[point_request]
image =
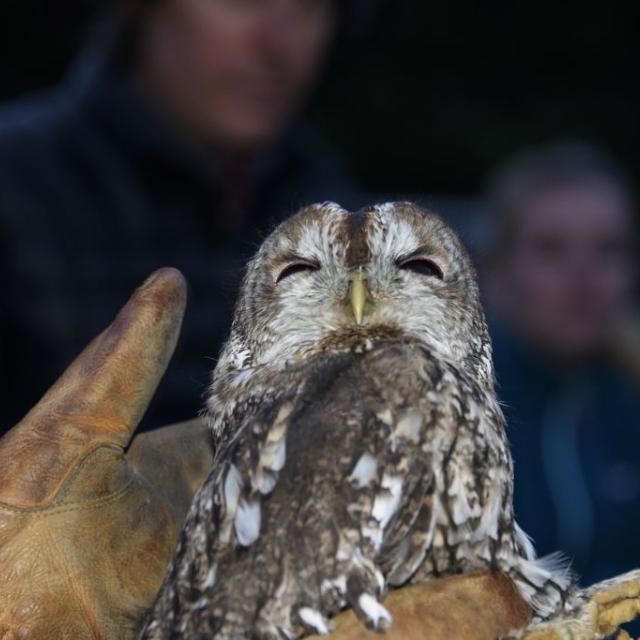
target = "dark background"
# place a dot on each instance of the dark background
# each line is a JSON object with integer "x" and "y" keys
{"x": 436, "y": 94}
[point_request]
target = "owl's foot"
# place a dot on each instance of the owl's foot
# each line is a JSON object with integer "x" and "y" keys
{"x": 364, "y": 589}
{"x": 348, "y": 580}
{"x": 359, "y": 585}
{"x": 372, "y": 613}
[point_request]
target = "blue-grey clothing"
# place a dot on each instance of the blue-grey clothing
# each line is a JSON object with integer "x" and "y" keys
{"x": 95, "y": 193}
{"x": 576, "y": 445}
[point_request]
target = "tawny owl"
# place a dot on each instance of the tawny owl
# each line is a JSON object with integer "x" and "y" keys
{"x": 360, "y": 444}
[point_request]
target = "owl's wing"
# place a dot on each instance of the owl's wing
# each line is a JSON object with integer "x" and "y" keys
{"x": 326, "y": 488}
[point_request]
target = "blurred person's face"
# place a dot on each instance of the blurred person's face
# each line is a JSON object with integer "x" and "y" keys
{"x": 231, "y": 72}
{"x": 570, "y": 271}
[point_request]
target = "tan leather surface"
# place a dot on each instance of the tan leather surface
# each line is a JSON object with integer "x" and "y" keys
{"x": 99, "y": 399}
{"x": 86, "y": 531}
{"x": 480, "y": 607}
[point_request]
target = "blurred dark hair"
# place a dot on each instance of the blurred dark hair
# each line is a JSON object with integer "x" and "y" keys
{"x": 547, "y": 167}
{"x": 354, "y": 18}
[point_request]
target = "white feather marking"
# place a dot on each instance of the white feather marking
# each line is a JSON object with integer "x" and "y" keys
{"x": 409, "y": 426}
{"x": 461, "y": 512}
{"x": 240, "y": 378}
{"x": 386, "y": 504}
{"x": 276, "y": 432}
{"x": 526, "y": 590}
{"x": 535, "y": 573}
{"x": 526, "y": 542}
{"x": 284, "y": 413}
{"x": 491, "y": 515}
{"x": 238, "y": 356}
{"x": 210, "y": 580}
{"x": 338, "y": 585}
{"x": 345, "y": 550}
{"x": 558, "y": 566}
{"x": 544, "y": 600}
{"x": 438, "y": 539}
{"x": 247, "y": 522}
{"x": 232, "y": 486}
{"x": 377, "y": 614}
{"x": 266, "y": 481}
{"x": 364, "y": 471}
{"x": 374, "y": 534}
{"x": 315, "y": 620}
{"x": 379, "y": 578}
{"x": 279, "y": 456}
{"x": 273, "y": 455}
{"x": 202, "y": 603}
{"x": 483, "y": 550}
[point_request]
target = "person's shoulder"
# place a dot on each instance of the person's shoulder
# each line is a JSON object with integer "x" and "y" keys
{"x": 620, "y": 392}
{"x": 29, "y": 121}
{"x": 31, "y": 133}
{"x": 34, "y": 131}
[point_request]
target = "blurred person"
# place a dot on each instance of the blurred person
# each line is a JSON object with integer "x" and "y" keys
{"x": 560, "y": 278}
{"x": 174, "y": 140}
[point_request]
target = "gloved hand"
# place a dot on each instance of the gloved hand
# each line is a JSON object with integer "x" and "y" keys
{"x": 86, "y": 530}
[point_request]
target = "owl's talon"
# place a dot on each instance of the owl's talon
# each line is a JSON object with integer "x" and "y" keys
{"x": 314, "y": 621}
{"x": 372, "y": 613}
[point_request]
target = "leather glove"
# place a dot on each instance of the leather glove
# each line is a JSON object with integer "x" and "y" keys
{"x": 87, "y": 527}
{"x": 484, "y": 607}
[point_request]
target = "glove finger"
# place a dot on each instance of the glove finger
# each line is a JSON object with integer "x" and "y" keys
{"x": 478, "y": 607}
{"x": 99, "y": 399}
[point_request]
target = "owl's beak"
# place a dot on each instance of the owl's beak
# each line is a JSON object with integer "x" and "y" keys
{"x": 358, "y": 295}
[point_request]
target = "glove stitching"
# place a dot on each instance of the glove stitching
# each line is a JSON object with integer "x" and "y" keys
{"x": 45, "y": 512}
{"x": 55, "y": 507}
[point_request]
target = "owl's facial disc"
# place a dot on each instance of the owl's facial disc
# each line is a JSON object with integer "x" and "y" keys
{"x": 388, "y": 269}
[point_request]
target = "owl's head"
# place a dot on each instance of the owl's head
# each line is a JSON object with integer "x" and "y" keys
{"x": 325, "y": 272}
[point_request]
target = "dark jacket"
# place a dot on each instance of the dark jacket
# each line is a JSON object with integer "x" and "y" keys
{"x": 96, "y": 193}
{"x": 575, "y": 440}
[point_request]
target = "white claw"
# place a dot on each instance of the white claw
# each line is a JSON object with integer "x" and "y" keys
{"x": 379, "y": 617}
{"x": 315, "y": 620}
